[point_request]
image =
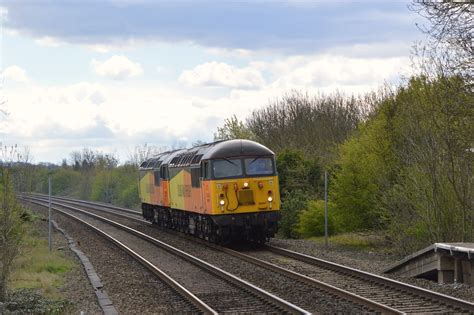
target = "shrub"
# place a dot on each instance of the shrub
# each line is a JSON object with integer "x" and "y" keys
{"x": 311, "y": 220}
{"x": 291, "y": 206}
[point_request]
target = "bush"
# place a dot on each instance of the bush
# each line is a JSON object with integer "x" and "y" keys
{"x": 311, "y": 220}
{"x": 291, "y": 207}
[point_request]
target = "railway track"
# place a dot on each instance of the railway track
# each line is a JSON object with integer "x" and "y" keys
{"x": 209, "y": 289}
{"x": 394, "y": 296}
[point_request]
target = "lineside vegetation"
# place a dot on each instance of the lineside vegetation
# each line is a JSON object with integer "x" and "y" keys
{"x": 400, "y": 159}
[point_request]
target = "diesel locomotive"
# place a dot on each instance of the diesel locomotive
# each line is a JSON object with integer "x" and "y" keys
{"x": 223, "y": 191}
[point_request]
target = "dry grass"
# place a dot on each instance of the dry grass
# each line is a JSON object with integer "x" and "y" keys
{"x": 364, "y": 241}
{"x": 37, "y": 268}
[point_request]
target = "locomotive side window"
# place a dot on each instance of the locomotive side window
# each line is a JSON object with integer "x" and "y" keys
{"x": 227, "y": 168}
{"x": 259, "y": 166}
{"x": 195, "y": 172}
{"x": 164, "y": 172}
{"x": 157, "y": 177}
{"x": 205, "y": 170}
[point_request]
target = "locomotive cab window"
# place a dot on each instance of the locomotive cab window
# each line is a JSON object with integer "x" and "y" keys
{"x": 259, "y": 166}
{"x": 227, "y": 168}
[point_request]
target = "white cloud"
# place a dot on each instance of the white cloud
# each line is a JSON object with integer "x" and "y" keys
{"x": 219, "y": 74}
{"x": 3, "y": 14}
{"x": 227, "y": 52}
{"x": 102, "y": 49}
{"x": 48, "y": 41}
{"x": 54, "y": 120}
{"x": 331, "y": 72}
{"x": 117, "y": 68}
{"x": 15, "y": 73}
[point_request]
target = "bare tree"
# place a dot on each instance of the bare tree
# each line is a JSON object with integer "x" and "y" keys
{"x": 310, "y": 124}
{"x": 451, "y": 30}
{"x": 23, "y": 170}
{"x": 76, "y": 160}
{"x": 106, "y": 160}
{"x": 143, "y": 152}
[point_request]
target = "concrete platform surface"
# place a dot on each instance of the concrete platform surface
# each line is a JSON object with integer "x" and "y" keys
{"x": 442, "y": 262}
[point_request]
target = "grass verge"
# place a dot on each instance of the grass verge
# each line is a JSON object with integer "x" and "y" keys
{"x": 38, "y": 274}
{"x": 358, "y": 241}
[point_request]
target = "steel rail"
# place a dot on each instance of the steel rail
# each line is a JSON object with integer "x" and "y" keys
{"x": 194, "y": 300}
{"x": 103, "y": 204}
{"x": 354, "y": 298}
{"x": 439, "y": 297}
{"x": 98, "y": 207}
{"x": 282, "y": 304}
{"x": 417, "y": 291}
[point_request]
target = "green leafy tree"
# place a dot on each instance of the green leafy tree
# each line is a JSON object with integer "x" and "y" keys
{"x": 297, "y": 172}
{"x": 363, "y": 173}
{"x": 433, "y": 196}
{"x": 409, "y": 168}
{"x": 233, "y": 129}
{"x": 300, "y": 180}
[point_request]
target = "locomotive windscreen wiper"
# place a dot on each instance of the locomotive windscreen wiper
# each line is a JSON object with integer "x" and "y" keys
{"x": 253, "y": 160}
{"x": 230, "y": 161}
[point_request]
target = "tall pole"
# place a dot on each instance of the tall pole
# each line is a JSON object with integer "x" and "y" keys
{"x": 326, "y": 208}
{"x": 49, "y": 213}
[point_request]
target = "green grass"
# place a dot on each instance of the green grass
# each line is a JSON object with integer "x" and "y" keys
{"x": 359, "y": 241}
{"x": 37, "y": 268}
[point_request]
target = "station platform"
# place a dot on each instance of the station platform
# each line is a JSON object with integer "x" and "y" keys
{"x": 441, "y": 262}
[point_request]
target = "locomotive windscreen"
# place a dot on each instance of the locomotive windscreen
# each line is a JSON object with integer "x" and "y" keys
{"x": 227, "y": 168}
{"x": 259, "y": 166}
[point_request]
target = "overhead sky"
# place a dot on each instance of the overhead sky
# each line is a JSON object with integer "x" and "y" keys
{"x": 110, "y": 75}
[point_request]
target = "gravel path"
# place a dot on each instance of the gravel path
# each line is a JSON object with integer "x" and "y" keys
{"x": 131, "y": 287}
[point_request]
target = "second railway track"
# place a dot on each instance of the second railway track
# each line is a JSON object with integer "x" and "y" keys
{"x": 381, "y": 292}
{"x": 210, "y": 289}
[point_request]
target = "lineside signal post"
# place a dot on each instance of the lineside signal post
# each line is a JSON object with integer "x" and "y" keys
{"x": 326, "y": 208}
{"x": 49, "y": 213}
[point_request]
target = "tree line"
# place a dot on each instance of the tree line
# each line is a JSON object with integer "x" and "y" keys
{"x": 400, "y": 158}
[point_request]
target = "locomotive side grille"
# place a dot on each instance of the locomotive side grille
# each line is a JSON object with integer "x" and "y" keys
{"x": 246, "y": 197}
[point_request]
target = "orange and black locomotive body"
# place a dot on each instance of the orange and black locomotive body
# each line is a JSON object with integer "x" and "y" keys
{"x": 222, "y": 191}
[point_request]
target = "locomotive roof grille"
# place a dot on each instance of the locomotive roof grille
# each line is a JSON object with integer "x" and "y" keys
{"x": 209, "y": 151}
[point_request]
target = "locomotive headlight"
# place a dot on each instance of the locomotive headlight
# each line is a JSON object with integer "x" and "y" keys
{"x": 246, "y": 184}
{"x": 222, "y": 202}
{"x": 270, "y": 199}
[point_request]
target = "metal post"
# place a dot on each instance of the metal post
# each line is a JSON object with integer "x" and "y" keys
{"x": 326, "y": 208}
{"x": 49, "y": 213}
